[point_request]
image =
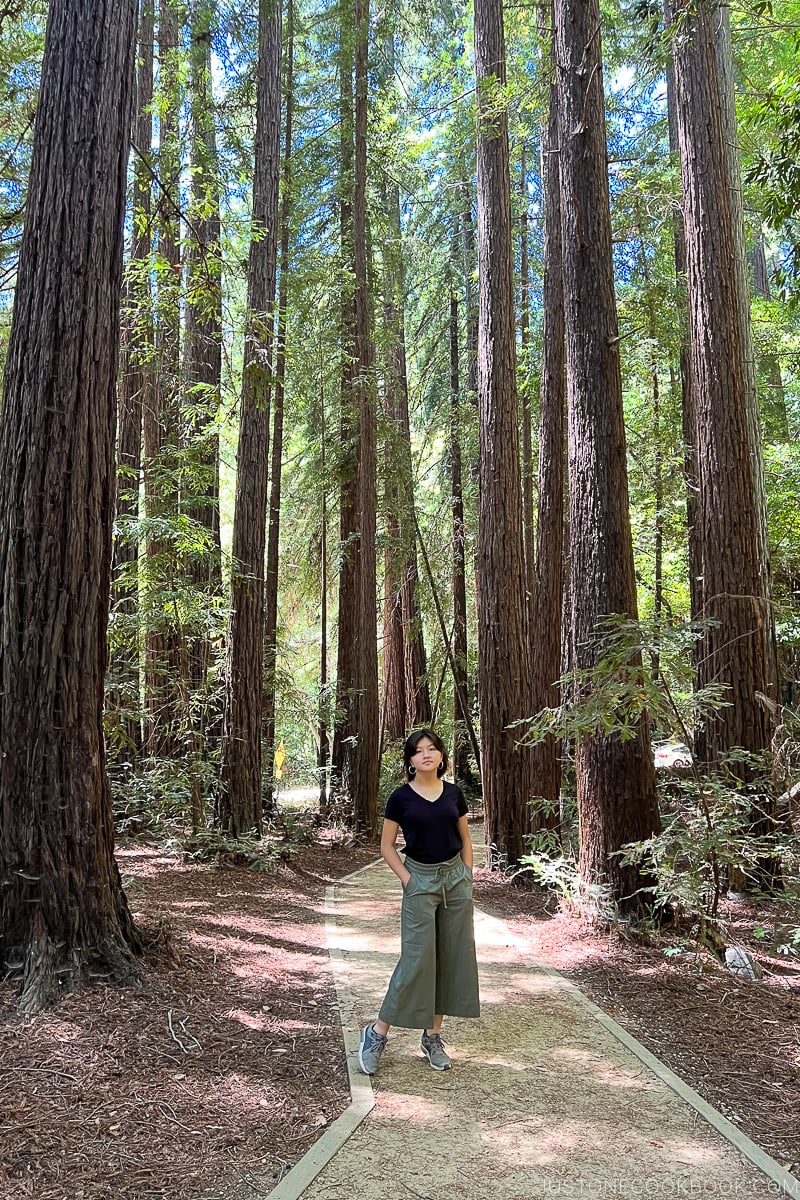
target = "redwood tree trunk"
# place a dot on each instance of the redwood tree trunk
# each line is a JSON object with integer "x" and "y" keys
{"x": 240, "y": 802}
{"x": 276, "y": 471}
{"x": 349, "y": 559}
{"x": 135, "y": 381}
{"x": 462, "y": 772}
{"x": 63, "y": 914}
{"x": 546, "y": 634}
{"x": 504, "y": 653}
{"x": 160, "y": 417}
{"x": 528, "y": 529}
{"x": 356, "y": 750}
{"x": 737, "y": 651}
{"x": 615, "y": 778}
{"x": 363, "y": 753}
{"x": 203, "y": 327}
{"x": 691, "y": 469}
{"x": 401, "y": 600}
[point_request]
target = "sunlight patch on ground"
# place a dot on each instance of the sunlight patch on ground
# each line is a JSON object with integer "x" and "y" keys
{"x": 406, "y": 1107}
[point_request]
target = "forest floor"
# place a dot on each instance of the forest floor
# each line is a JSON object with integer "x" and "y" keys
{"x": 218, "y": 1073}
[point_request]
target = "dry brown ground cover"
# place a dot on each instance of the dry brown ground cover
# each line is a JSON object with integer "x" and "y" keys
{"x": 220, "y": 1071}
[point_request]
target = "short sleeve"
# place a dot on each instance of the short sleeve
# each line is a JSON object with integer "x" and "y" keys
{"x": 461, "y": 803}
{"x": 394, "y": 807}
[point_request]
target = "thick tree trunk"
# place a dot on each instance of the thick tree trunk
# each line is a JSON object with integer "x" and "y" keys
{"x": 615, "y": 778}
{"x": 546, "y": 632}
{"x": 273, "y": 539}
{"x": 356, "y": 749}
{"x": 504, "y": 658}
{"x": 63, "y": 914}
{"x": 240, "y": 802}
{"x": 738, "y": 650}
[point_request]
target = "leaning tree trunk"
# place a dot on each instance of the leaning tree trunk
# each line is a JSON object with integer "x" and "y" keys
{"x": 504, "y": 654}
{"x": 615, "y": 777}
{"x": 63, "y": 914}
{"x": 240, "y": 802}
{"x": 738, "y": 651}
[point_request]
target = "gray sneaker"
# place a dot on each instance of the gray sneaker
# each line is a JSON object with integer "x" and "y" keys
{"x": 434, "y": 1051}
{"x": 371, "y": 1047}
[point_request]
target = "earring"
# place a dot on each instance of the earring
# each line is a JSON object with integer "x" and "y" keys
{"x": 411, "y": 771}
{"x": 440, "y": 770}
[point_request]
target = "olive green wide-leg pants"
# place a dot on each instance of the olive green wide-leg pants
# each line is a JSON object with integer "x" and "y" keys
{"x": 438, "y": 970}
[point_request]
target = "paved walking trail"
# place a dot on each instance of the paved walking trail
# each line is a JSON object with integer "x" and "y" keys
{"x": 547, "y": 1096}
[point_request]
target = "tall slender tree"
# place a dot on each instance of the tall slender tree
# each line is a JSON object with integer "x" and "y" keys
{"x": 63, "y": 913}
{"x": 276, "y": 470}
{"x": 528, "y": 527}
{"x": 240, "y": 802}
{"x": 615, "y": 777}
{"x": 689, "y": 424}
{"x": 160, "y": 415}
{"x": 461, "y": 694}
{"x": 549, "y": 586}
{"x": 135, "y": 381}
{"x": 405, "y": 665}
{"x": 503, "y": 630}
{"x": 203, "y": 325}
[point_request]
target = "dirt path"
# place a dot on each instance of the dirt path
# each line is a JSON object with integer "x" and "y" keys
{"x": 543, "y": 1099}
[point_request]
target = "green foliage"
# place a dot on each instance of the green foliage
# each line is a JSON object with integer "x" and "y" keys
{"x": 775, "y": 170}
{"x": 285, "y": 834}
{"x": 707, "y": 836}
{"x": 622, "y": 687}
{"x": 153, "y": 798}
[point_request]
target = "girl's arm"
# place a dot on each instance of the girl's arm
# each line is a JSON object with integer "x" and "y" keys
{"x": 466, "y": 841}
{"x": 389, "y": 852}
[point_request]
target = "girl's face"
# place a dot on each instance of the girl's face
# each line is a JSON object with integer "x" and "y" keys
{"x": 426, "y": 757}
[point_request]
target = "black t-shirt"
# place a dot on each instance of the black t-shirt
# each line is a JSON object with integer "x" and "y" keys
{"x": 430, "y": 827}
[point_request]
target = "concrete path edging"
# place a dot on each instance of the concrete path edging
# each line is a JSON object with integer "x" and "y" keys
{"x": 299, "y": 1178}
{"x": 788, "y": 1184}
{"x": 304, "y": 1172}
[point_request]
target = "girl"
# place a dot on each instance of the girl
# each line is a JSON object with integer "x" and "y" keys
{"x": 437, "y": 974}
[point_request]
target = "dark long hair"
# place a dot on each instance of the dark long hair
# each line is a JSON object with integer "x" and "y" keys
{"x": 410, "y": 748}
